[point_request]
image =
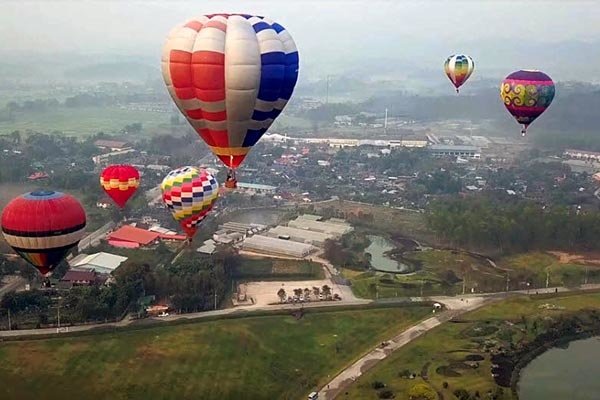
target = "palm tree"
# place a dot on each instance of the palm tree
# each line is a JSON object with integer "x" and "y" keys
{"x": 306, "y": 292}
{"x": 282, "y": 295}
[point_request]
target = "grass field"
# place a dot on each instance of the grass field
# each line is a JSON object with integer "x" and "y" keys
{"x": 275, "y": 357}
{"x": 444, "y": 349}
{"x": 442, "y": 272}
{"x": 277, "y": 269}
{"x": 86, "y": 120}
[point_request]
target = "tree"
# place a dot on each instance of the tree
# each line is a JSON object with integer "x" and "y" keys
{"x": 326, "y": 291}
{"x": 282, "y": 295}
{"x": 316, "y": 291}
{"x": 422, "y": 391}
{"x": 306, "y": 292}
{"x": 297, "y": 292}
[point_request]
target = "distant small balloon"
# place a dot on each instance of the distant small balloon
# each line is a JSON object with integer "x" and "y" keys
{"x": 458, "y": 69}
{"x": 526, "y": 95}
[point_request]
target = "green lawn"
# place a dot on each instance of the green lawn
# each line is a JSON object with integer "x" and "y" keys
{"x": 449, "y": 344}
{"x": 275, "y": 357}
{"x": 442, "y": 272}
{"x": 536, "y": 265}
{"x": 277, "y": 269}
{"x": 86, "y": 120}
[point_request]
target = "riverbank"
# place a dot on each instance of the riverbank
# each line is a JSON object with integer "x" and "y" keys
{"x": 547, "y": 341}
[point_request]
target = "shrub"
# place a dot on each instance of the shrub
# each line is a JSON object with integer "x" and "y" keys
{"x": 386, "y": 394}
{"x": 377, "y": 385}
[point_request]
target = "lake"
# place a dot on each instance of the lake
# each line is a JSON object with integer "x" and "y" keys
{"x": 379, "y": 260}
{"x": 570, "y": 373}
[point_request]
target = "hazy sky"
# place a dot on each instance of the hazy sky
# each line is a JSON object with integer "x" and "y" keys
{"x": 333, "y": 29}
{"x": 114, "y": 24}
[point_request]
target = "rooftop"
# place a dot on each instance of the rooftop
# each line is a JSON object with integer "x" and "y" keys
{"x": 255, "y": 186}
{"x": 79, "y": 276}
{"x": 130, "y": 233}
{"x": 116, "y": 144}
{"x": 452, "y": 147}
{"x": 102, "y": 260}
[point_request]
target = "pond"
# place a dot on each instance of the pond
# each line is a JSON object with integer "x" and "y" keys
{"x": 379, "y": 260}
{"x": 564, "y": 373}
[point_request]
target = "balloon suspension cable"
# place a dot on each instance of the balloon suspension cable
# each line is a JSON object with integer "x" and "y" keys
{"x": 457, "y": 91}
{"x": 524, "y": 130}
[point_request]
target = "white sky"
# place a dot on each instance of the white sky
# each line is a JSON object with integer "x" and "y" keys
{"x": 322, "y": 25}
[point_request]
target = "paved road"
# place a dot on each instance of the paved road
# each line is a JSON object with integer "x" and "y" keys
{"x": 13, "y": 284}
{"x": 238, "y": 311}
{"x": 467, "y": 303}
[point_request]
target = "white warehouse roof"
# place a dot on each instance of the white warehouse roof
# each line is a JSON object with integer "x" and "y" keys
{"x": 103, "y": 263}
{"x": 269, "y": 245}
{"x": 301, "y": 235}
{"x": 318, "y": 226}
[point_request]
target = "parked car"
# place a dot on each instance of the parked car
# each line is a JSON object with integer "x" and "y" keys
{"x": 320, "y": 297}
{"x": 313, "y": 396}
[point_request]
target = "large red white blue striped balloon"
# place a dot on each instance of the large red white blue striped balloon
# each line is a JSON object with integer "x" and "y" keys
{"x": 230, "y": 75}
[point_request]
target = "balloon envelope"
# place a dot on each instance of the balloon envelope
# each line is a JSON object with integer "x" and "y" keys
{"x": 120, "y": 182}
{"x": 459, "y": 68}
{"x": 526, "y": 95}
{"x": 42, "y": 226}
{"x": 230, "y": 75}
{"x": 190, "y": 194}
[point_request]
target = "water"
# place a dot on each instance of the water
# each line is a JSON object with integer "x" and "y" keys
{"x": 379, "y": 260}
{"x": 570, "y": 373}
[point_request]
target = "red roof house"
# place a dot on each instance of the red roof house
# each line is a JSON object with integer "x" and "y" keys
{"x": 133, "y": 235}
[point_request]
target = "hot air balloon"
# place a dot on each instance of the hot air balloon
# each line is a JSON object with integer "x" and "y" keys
{"x": 42, "y": 226}
{"x": 458, "y": 69}
{"x": 230, "y": 75}
{"x": 190, "y": 194}
{"x": 526, "y": 95}
{"x": 120, "y": 182}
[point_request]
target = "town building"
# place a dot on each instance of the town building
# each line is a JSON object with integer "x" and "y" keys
{"x": 444, "y": 150}
{"x": 112, "y": 145}
{"x": 131, "y": 237}
{"x": 102, "y": 263}
{"x": 256, "y": 188}
{"x": 78, "y": 278}
{"x": 274, "y": 246}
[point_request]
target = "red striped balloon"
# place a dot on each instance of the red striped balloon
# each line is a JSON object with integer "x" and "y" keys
{"x": 120, "y": 182}
{"x": 42, "y": 226}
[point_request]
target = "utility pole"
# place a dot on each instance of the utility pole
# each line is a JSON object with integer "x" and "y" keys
{"x": 547, "y": 278}
{"x": 421, "y": 288}
{"x": 586, "y": 275}
{"x": 215, "y": 299}
{"x": 58, "y": 313}
{"x": 507, "y": 281}
{"x": 385, "y": 121}
{"x": 464, "y": 283}
{"x": 9, "y": 326}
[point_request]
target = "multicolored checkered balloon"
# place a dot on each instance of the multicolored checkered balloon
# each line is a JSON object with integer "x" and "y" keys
{"x": 190, "y": 194}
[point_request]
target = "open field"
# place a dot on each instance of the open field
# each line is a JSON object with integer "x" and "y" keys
{"x": 386, "y": 220}
{"x": 85, "y": 121}
{"x": 442, "y": 353}
{"x": 276, "y": 357}
{"x": 276, "y": 269}
{"x": 442, "y": 272}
